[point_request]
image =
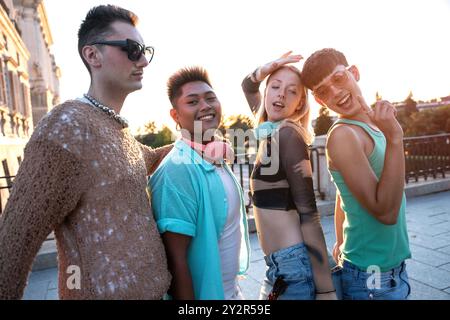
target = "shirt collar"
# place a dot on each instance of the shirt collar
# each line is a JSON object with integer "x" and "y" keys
{"x": 193, "y": 156}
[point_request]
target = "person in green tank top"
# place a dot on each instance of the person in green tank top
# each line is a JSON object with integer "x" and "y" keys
{"x": 365, "y": 158}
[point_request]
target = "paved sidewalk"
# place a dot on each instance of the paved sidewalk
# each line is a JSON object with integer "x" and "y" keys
{"x": 428, "y": 220}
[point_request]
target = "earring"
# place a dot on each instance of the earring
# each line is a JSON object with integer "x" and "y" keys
{"x": 178, "y": 127}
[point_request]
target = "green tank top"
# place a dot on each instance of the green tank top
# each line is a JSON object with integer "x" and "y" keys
{"x": 368, "y": 242}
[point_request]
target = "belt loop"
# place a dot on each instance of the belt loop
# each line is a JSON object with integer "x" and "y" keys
{"x": 268, "y": 260}
{"x": 356, "y": 272}
{"x": 272, "y": 259}
{"x": 351, "y": 267}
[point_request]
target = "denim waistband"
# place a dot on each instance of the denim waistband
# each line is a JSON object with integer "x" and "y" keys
{"x": 394, "y": 271}
{"x": 296, "y": 249}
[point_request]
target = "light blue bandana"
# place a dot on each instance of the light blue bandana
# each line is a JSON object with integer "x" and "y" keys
{"x": 266, "y": 129}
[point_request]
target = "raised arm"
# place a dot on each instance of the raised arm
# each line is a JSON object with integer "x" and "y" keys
{"x": 295, "y": 161}
{"x": 251, "y": 91}
{"x": 47, "y": 188}
{"x": 251, "y": 83}
{"x": 383, "y": 197}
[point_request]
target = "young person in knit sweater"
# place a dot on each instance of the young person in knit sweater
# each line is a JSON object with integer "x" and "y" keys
{"x": 196, "y": 199}
{"x": 84, "y": 176}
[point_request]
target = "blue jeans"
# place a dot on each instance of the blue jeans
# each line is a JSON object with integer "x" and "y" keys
{"x": 360, "y": 285}
{"x": 293, "y": 266}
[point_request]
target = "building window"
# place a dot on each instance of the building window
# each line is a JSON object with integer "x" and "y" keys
{"x": 20, "y": 95}
{"x": 16, "y": 96}
{"x": 2, "y": 85}
{"x": 12, "y": 97}
{"x": 6, "y": 171}
{"x": 26, "y": 100}
{"x": 8, "y": 96}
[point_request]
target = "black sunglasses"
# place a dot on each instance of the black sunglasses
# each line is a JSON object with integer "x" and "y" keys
{"x": 133, "y": 48}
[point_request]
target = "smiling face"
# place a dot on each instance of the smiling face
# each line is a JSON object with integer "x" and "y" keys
{"x": 339, "y": 91}
{"x": 283, "y": 95}
{"x": 197, "y": 103}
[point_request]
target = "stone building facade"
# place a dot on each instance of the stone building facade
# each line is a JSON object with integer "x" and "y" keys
{"x": 29, "y": 80}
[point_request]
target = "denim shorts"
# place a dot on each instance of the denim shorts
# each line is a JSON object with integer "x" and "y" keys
{"x": 292, "y": 264}
{"x": 358, "y": 284}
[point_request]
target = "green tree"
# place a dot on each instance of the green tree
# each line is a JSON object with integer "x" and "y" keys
{"x": 426, "y": 122}
{"x": 403, "y": 119}
{"x": 378, "y": 96}
{"x": 323, "y": 122}
{"x": 150, "y": 127}
{"x": 236, "y": 122}
{"x": 163, "y": 137}
{"x": 239, "y": 121}
{"x": 155, "y": 139}
{"x": 410, "y": 104}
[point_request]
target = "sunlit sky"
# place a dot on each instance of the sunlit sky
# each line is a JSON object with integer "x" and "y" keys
{"x": 398, "y": 45}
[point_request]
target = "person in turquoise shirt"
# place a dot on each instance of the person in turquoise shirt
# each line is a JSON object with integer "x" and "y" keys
{"x": 197, "y": 202}
{"x": 366, "y": 161}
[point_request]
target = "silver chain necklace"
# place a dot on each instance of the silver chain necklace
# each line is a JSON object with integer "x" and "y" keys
{"x": 109, "y": 111}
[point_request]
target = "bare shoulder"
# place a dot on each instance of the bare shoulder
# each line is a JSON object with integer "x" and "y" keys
{"x": 341, "y": 135}
{"x": 343, "y": 142}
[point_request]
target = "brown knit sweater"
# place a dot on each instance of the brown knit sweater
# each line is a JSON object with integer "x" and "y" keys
{"x": 84, "y": 177}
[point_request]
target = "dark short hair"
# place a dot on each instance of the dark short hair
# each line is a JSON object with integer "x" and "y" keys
{"x": 320, "y": 64}
{"x": 183, "y": 76}
{"x": 97, "y": 25}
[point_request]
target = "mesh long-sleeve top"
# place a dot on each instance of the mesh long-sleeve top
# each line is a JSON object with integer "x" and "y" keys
{"x": 282, "y": 181}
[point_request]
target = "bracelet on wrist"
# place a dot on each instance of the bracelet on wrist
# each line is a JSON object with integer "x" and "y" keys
{"x": 325, "y": 292}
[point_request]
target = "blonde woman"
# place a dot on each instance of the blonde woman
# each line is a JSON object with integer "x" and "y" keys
{"x": 288, "y": 224}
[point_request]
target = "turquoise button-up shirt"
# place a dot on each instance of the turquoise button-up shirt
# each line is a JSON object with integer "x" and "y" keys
{"x": 188, "y": 197}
